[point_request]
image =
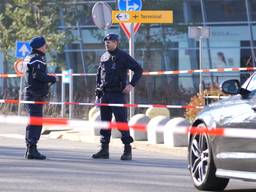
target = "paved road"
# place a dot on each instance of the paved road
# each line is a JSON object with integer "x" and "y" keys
{"x": 70, "y": 168}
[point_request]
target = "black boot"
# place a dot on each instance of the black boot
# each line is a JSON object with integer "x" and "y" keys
{"x": 32, "y": 153}
{"x": 103, "y": 153}
{"x": 127, "y": 155}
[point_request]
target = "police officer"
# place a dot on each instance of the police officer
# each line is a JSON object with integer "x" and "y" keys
{"x": 112, "y": 86}
{"x": 37, "y": 85}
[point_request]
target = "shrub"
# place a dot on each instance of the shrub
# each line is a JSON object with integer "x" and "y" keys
{"x": 199, "y": 100}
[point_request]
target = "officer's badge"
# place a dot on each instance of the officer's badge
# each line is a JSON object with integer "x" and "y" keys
{"x": 108, "y": 37}
{"x": 105, "y": 57}
{"x": 44, "y": 60}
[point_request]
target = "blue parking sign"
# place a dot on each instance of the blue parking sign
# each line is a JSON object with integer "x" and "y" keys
{"x": 22, "y": 49}
{"x": 129, "y": 5}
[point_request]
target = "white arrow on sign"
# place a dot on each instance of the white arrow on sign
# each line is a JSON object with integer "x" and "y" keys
{"x": 133, "y": 7}
{"x": 24, "y": 50}
{"x": 123, "y": 16}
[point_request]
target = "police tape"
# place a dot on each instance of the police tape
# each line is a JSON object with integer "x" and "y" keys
{"x": 13, "y": 101}
{"x": 175, "y": 72}
{"x": 219, "y": 70}
{"x": 81, "y": 125}
{"x": 2, "y": 75}
{"x": 224, "y": 132}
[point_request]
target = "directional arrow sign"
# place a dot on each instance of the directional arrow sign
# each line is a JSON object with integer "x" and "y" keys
{"x": 142, "y": 16}
{"x": 132, "y": 5}
{"x": 22, "y": 49}
{"x": 129, "y": 5}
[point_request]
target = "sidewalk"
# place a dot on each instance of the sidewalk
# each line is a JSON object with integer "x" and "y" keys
{"x": 79, "y": 132}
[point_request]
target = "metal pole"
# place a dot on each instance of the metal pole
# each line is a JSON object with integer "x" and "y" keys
{"x": 70, "y": 93}
{"x": 62, "y": 95}
{"x": 131, "y": 52}
{"x": 81, "y": 50}
{"x": 20, "y": 95}
{"x": 248, "y": 13}
{"x": 204, "y": 17}
{"x": 127, "y": 5}
{"x": 200, "y": 65}
{"x": 62, "y": 24}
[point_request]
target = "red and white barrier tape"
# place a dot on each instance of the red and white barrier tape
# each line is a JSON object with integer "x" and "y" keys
{"x": 82, "y": 125}
{"x": 225, "y": 132}
{"x": 12, "y": 101}
{"x": 175, "y": 72}
{"x": 2, "y": 75}
{"x": 219, "y": 70}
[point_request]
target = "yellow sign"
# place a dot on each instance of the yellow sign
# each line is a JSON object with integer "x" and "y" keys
{"x": 142, "y": 17}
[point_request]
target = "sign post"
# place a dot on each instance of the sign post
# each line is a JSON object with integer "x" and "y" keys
{"x": 22, "y": 50}
{"x": 199, "y": 33}
{"x": 131, "y": 52}
{"x": 67, "y": 78}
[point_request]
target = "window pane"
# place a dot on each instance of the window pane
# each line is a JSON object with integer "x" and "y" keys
{"x": 253, "y": 9}
{"x": 175, "y": 5}
{"x": 192, "y": 11}
{"x": 225, "y": 10}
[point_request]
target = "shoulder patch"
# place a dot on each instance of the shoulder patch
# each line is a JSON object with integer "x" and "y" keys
{"x": 105, "y": 57}
{"x": 28, "y": 58}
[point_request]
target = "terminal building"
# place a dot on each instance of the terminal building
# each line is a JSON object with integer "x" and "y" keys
{"x": 165, "y": 47}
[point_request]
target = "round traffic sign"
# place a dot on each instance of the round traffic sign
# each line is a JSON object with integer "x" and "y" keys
{"x": 102, "y": 15}
{"x": 19, "y": 67}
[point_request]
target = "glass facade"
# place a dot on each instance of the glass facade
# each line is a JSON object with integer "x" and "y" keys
{"x": 232, "y": 43}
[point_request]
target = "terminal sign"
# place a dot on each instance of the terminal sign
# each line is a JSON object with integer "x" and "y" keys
{"x": 142, "y": 16}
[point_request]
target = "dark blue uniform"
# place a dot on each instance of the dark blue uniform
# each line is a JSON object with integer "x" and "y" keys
{"x": 37, "y": 86}
{"x": 111, "y": 80}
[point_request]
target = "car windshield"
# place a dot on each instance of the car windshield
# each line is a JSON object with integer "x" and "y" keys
{"x": 250, "y": 83}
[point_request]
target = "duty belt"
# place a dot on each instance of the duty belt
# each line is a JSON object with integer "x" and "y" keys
{"x": 112, "y": 89}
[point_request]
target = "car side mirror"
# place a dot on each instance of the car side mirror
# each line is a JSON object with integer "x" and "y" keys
{"x": 231, "y": 87}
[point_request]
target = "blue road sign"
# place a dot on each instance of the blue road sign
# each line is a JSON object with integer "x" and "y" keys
{"x": 22, "y": 49}
{"x": 129, "y": 5}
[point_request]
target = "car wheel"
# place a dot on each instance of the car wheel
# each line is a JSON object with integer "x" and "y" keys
{"x": 201, "y": 164}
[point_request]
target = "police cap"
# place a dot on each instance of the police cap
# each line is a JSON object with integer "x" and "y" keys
{"x": 111, "y": 36}
{"x": 37, "y": 42}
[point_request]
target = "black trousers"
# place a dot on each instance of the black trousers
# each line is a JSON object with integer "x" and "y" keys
{"x": 33, "y": 132}
{"x": 120, "y": 114}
